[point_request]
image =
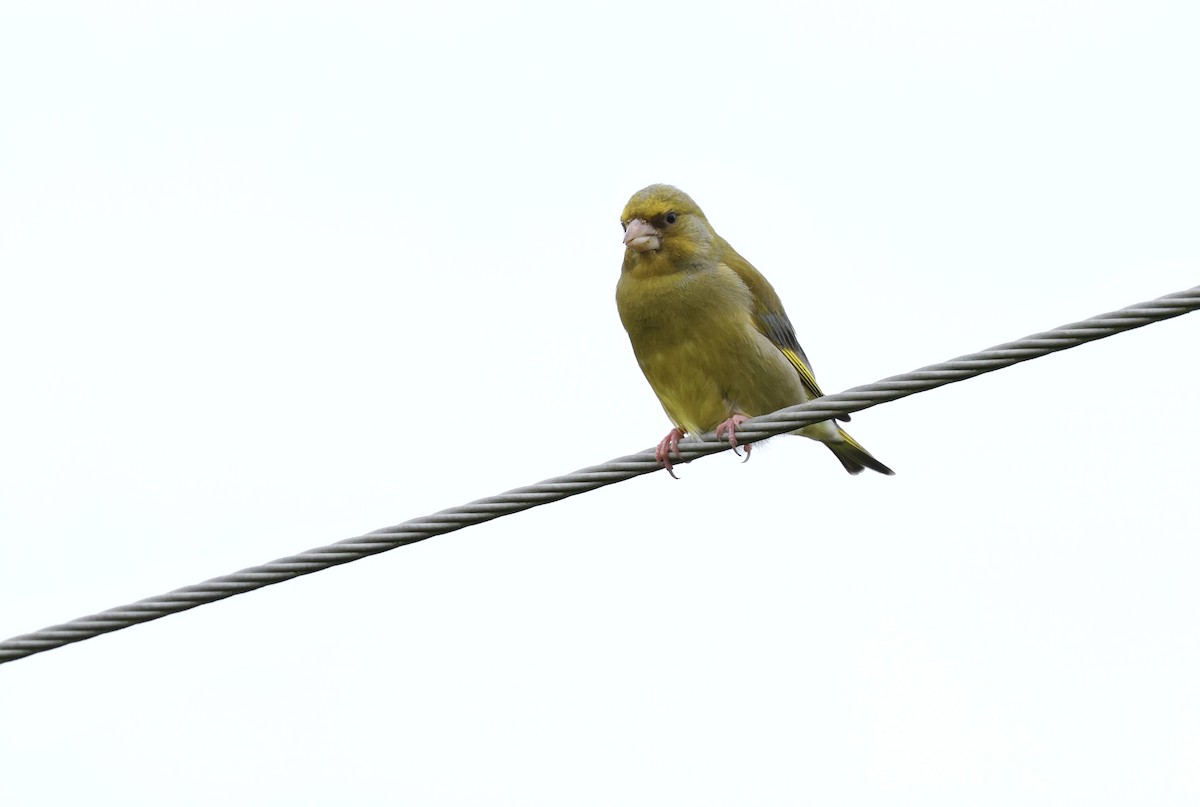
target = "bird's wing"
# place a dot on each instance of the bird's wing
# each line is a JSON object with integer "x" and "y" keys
{"x": 770, "y": 318}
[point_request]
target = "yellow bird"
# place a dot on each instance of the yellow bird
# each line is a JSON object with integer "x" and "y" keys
{"x": 709, "y": 332}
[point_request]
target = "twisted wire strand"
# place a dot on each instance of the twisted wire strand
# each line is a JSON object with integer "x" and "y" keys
{"x": 596, "y": 476}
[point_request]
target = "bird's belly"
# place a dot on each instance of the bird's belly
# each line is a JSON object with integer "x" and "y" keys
{"x": 701, "y": 385}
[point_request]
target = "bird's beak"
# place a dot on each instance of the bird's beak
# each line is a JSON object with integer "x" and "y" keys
{"x": 641, "y": 237}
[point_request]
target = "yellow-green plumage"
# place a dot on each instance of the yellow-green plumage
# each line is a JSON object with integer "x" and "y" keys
{"x": 707, "y": 329}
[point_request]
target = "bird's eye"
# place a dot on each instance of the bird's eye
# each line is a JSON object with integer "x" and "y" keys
{"x": 671, "y": 217}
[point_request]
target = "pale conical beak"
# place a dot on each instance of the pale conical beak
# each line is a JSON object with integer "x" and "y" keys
{"x": 641, "y": 237}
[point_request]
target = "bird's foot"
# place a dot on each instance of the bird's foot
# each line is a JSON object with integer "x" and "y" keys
{"x": 731, "y": 427}
{"x": 663, "y": 452}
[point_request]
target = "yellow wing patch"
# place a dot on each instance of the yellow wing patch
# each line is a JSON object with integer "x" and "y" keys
{"x": 806, "y": 375}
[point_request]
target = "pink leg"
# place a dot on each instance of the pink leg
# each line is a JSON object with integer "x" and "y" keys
{"x": 663, "y": 452}
{"x": 731, "y": 427}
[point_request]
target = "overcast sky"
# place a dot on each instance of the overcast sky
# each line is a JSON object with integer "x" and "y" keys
{"x": 278, "y": 274}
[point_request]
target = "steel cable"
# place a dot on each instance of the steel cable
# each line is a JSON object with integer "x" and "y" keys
{"x": 617, "y": 470}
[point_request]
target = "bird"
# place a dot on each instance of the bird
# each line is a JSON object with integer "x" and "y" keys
{"x": 709, "y": 332}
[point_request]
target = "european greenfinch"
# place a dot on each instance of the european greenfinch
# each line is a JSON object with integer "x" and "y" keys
{"x": 709, "y": 331}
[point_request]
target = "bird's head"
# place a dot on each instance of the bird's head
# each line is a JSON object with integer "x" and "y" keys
{"x": 665, "y": 230}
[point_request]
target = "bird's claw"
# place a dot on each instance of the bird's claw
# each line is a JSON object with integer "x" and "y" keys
{"x": 730, "y": 426}
{"x": 669, "y": 444}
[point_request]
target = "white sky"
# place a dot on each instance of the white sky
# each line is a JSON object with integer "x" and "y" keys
{"x": 277, "y": 274}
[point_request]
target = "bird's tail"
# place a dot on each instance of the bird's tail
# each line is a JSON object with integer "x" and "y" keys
{"x": 853, "y": 456}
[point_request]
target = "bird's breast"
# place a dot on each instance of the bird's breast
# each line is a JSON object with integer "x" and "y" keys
{"x": 672, "y": 306}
